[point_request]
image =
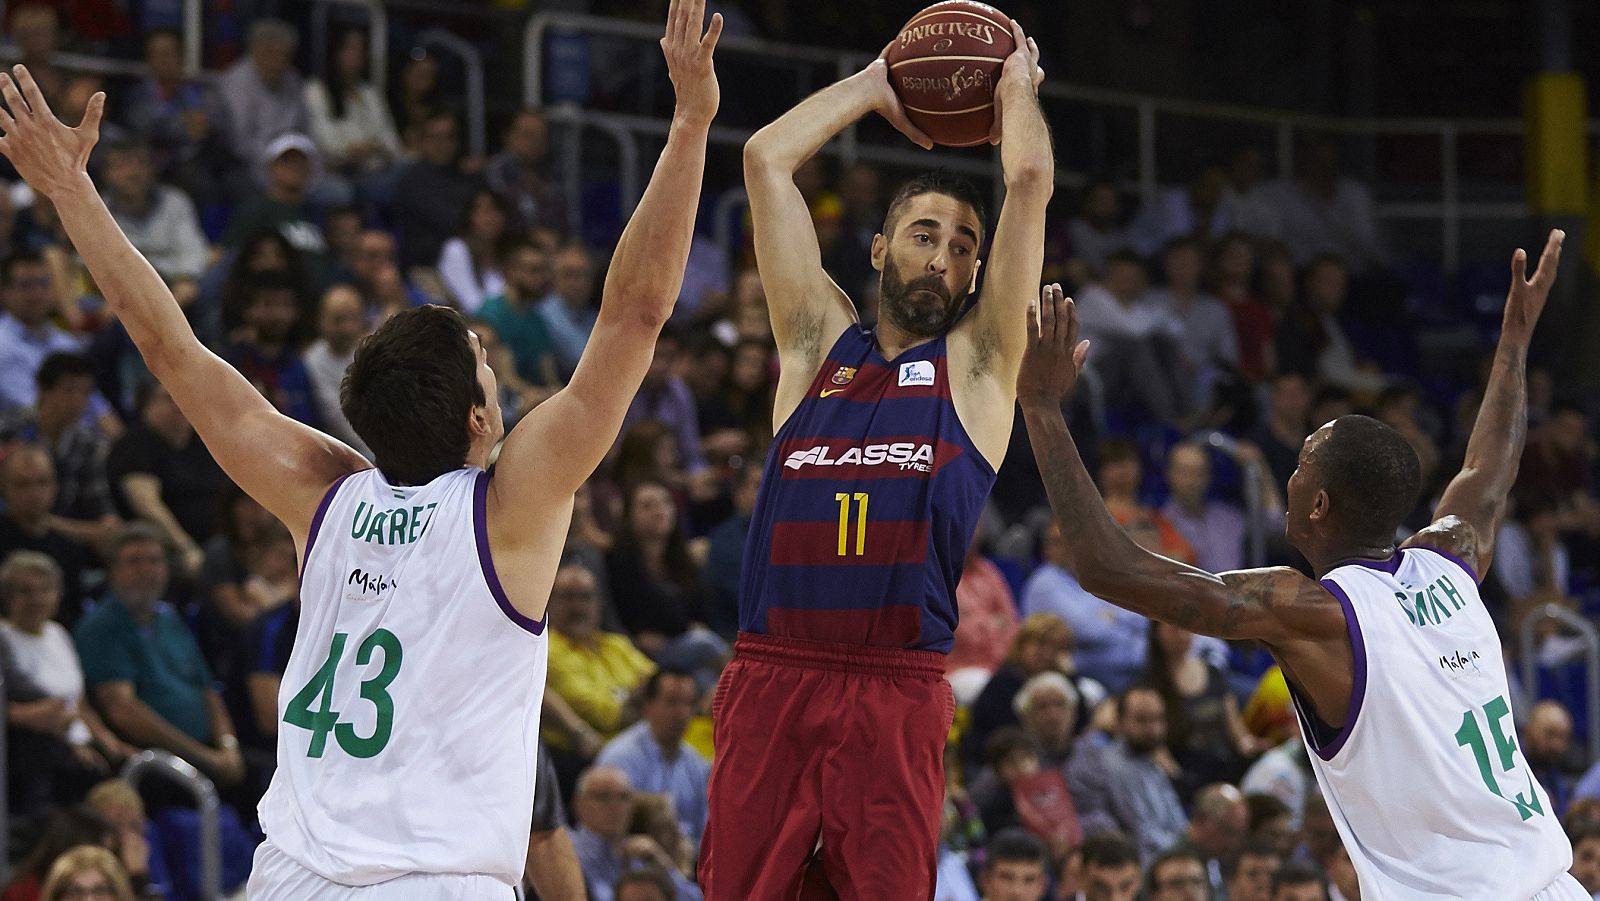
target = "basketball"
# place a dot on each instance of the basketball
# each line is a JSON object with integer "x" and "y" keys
{"x": 944, "y": 63}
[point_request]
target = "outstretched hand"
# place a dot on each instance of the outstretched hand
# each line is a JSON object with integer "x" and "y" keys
{"x": 1021, "y": 65}
{"x": 688, "y": 52}
{"x": 1054, "y": 357}
{"x": 1526, "y": 299}
{"x": 47, "y": 154}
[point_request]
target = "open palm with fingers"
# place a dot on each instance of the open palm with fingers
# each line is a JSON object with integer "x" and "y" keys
{"x": 1526, "y": 299}
{"x": 48, "y": 154}
{"x": 688, "y": 53}
{"x": 1054, "y": 357}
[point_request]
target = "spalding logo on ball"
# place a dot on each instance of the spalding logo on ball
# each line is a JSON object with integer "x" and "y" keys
{"x": 944, "y": 64}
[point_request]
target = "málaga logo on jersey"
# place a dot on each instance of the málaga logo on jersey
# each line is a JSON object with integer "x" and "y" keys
{"x": 903, "y": 454}
{"x": 917, "y": 372}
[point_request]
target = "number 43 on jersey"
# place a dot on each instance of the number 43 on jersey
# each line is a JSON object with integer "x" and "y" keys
{"x": 376, "y": 690}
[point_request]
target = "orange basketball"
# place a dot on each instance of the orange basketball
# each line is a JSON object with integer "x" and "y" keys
{"x": 944, "y": 64}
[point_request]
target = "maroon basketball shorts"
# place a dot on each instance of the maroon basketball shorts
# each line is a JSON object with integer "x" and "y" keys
{"x": 833, "y": 741}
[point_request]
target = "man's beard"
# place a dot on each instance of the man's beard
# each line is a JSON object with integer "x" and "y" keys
{"x": 916, "y": 317}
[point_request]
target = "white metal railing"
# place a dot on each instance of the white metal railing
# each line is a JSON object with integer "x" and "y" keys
{"x": 164, "y": 764}
{"x": 1591, "y": 653}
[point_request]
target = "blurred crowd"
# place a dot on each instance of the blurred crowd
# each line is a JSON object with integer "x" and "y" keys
{"x": 148, "y": 603}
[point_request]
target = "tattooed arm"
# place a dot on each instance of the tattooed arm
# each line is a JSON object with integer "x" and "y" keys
{"x": 1278, "y": 606}
{"x": 1474, "y": 502}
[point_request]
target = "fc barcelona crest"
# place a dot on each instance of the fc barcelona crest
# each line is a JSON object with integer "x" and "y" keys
{"x": 844, "y": 375}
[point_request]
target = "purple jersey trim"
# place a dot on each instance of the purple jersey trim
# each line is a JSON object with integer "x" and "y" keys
{"x": 1390, "y": 566}
{"x": 480, "y": 528}
{"x": 316, "y": 523}
{"x": 1358, "y": 686}
{"x": 1452, "y": 558}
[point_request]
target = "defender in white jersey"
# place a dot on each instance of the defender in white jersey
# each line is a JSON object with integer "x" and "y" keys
{"x": 1393, "y": 663}
{"x": 410, "y": 709}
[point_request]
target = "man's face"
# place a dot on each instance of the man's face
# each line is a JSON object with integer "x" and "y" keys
{"x": 28, "y": 293}
{"x": 32, "y": 597}
{"x": 1183, "y": 265}
{"x": 1252, "y": 879}
{"x": 34, "y": 30}
{"x": 1291, "y": 397}
{"x": 1050, "y": 717}
{"x": 669, "y": 712}
{"x": 605, "y": 804}
{"x": 1305, "y": 891}
{"x": 927, "y": 263}
{"x": 128, "y": 172}
{"x": 574, "y": 276}
{"x": 68, "y": 399}
{"x": 1111, "y": 883}
{"x": 343, "y": 320}
{"x": 1182, "y": 879}
{"x": 271, "y": 314}
{"x": 272, "y": 60}
{"x": 164, "y": 55}
{"x": 1566, "y": 431}
{"x": 528, "y": 138}
{"x": 1326, "y": 286}
{"x": 139, "y": 572}
{"x": 1014, "y": 880}
{"x": 1143, "y": 722}
{"x": 491, "y": 390}
{"x": 30, "y": 485}
{"x": 1125, "y": 280}
{"x": 1305, "y": 483}
{"x": 1586, "y": 863}
{"x": 438, "y": 141}
{"x": 575, "y": 602}
{"x": 528, "y": 270}
{"x": 1549, "y": 736}
{"x": 1188, "y": 475}
{"x": 290, "y": 173}
{"x": 375, "y": 250}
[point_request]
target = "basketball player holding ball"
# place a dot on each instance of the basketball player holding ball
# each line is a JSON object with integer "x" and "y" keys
{"x": 831, "y": 719}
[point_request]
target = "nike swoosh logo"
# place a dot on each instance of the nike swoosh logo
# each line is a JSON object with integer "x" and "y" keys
{"x": 828, "y": 392}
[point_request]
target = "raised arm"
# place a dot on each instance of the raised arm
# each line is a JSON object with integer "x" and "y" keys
{"x": 1277, "y": 606}
{"x": 284, "y": 465}
{"x": 997, "y": 331}
{"x": 1474, "y": 503}
{"x": 558, "y": 445}
{"x": 808, "y": 310}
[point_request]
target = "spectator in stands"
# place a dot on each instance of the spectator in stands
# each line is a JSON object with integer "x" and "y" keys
{"x": 1177, "y": 875}
{"x": 725, "y": 554}
{"x": 56, "y": 744}
{"x": 515, "y": 315}
{"x": 349, "y": 119}
{"x": 1272, "y": 823}
{"x": 28, "y": 488}
{"x": 262, "y": 93}
{"x": 159, "y": 220}
{"x": 1585, "y": 837}
{"x": 1015, "y": 790}
{"x": 145, "y": 671}
{"x": 376, "y": 275}
{"x": 1140, "y": 795}
{"x": 652, "y": 751}
{"x": 470, "y": 262}
{"x": 1558, "y": 461}
{"x": 665, "y": 398}
{"x": 433, "y": 191}
{"x": 569, "y": 310}
{"x": 183, "y": 123}
{"x": 1324, "y": 212}
{"x": 1048, "y": 707}
{"x": 1232, "y": 281}
{"x": 522, "y": 174}
{"x": 1297, "y": 880}
{"x": 651, "y": 883}
{"x": 229, "y": 556}
{"x": 1547, "y": 746}
{"x": 285, "y": 203}
{"x": 1219, "y": 823}
{"x": 341, "y": 324}
{"x": 66, "y": 829}
{"x": 1251, "y": 206}
{"x": 1197, "y": 211}
{"x": 737, "y": 418}
{"x": 654, "y": 580}
{"x": 1340, "y": 872}
{"x": 1202, "y": 328}
{"x": 1281, "y": 775}
{"x": 1098, "y": 230}
{"x": 1137, "y": 352}
{"x": 223, "y": 287}
{"x": 1015, "y": 868}
{"x": 87, "y": 871}
{"x": 1279, "y": 438}
{"x": 1400, "y": 408}
{"x": 1042, "y": 644}
{"x": 65, "y": 386}
{"x": 1311, "y": 338}
{"x": 138, "y": 846}
{"x": 414, "y": 95}
{"x": 988, "y": 615}
{"x": 343, "y": 232}
{"x": 27, "y": 335}
{"x": 160, "y": 472}
{"x": 36, "y": 31}
{"x": 654, "y": 815}
{"x": 1110, "y": 870}
{"x": 603, "y": 802}
{"x": 1204, "y": 730}
{"x": 266, "y": 350}
{"x": 1213, "y": 527}
{"x": 592, "y": 672}
{"x": 1250, "y": 873}
{"x": 1107, "y": 642}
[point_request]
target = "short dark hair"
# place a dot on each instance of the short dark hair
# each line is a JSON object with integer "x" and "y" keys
{"x": 1264, "y": 807}
{"x": 1252, "y": 848}
{"x": 1004, "y": 742}
{"x": 652, "y": 685}
{"x": 1109, "y": 849}
{"x": 1016, "y": 845}
{"x": 1298, "y": 872}
{"x": 418, "y": 367}
{"x": 938, "y": 181}
{"x": 137, "y": 532}
{"x": 1124, "y": 255}
{"x": 1176, "y": 852}
{"x": 649, "y": 875}
{"x": 60, "y": 366}
{"x": 20, "y": 258}
{"x": 1372, "y": 477}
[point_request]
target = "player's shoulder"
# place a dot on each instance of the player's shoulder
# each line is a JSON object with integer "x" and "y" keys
{"x": 1453, "y": 538}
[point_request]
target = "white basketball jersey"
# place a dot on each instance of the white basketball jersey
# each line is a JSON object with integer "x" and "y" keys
{"x": 1426, "y": 781}
{"x": 409, "y": 714}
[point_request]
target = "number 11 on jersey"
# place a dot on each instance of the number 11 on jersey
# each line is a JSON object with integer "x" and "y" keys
{"x": 860, "y": 498}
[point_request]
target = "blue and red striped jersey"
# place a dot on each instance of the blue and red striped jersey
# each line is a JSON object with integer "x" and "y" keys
{"x": 871, "y": 493}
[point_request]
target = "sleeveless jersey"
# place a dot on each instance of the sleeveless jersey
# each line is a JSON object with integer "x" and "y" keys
{"x": 1426, "y": 781}
{"x": 871, "y": 492}
{"x": 409, "y": 712}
